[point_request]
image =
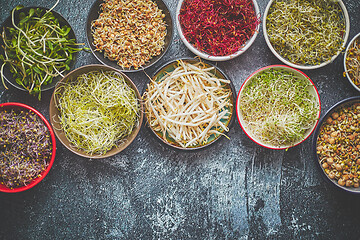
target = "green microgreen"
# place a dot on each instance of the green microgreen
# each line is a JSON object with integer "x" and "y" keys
{"x": 306, "y": 32}
{"x": 278, "y": 107}
{"x": 37, "y": 49}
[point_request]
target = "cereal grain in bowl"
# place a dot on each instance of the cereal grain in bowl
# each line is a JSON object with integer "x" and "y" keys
{"x": 189, "y": 104}
{"x": 337, "y": 144}
{"x": 278, "y": 107}
{"x": 27, "y": 147}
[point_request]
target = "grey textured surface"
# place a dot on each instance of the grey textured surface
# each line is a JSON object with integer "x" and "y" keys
{"x": 234, "y": 189}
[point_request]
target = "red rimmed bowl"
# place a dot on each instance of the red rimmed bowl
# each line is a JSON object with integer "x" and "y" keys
{"x": 266, "y": 115}
{"x": 20, "y": 106}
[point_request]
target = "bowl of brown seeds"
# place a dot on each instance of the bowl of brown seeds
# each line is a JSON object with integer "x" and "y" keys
{"x": 129, "y": 35}
{"x": 336, "y": 145}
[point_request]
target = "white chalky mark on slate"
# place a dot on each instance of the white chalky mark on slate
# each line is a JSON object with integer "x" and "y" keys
{"x": 264, "y": 185}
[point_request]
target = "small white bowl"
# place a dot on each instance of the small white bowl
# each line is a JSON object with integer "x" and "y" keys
{"x": 244, "y": 125}
{"x": 345, "y": 56}
{"x": 307, "y": 67}
{"x": 211, "y": 57}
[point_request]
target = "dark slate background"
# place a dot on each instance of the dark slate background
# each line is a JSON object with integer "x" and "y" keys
{"x": 234, "y": 189}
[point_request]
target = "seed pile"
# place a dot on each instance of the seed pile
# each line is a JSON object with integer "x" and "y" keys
{"x": 306, "y": 32}
{"x": 338, "y": 146}
{"x": 25, "y": 147}
{"x": 130, "y": 32}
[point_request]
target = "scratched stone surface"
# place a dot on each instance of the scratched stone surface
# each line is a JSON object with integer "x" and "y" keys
{"x": 234, "y": 189}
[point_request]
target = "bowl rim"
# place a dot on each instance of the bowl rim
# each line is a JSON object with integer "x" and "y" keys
{"x": 100, "y": 56}
{"x": 317, "y": 98}
{"x": 53, "y": 141}
{"x": 75, "y": 55}
{"x": 356, "y": 37}
{"x": 233, "y": 97}
{"x": 65, "y": 142}
{"x": 314, "y": 142}
{"x": 307, "y": 67}
{"x": 209, "y": 57}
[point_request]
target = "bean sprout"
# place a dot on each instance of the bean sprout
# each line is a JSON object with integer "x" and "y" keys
{"x": 189, "y": 104}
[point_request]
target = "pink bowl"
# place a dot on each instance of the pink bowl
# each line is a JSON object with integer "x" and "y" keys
{"x": 313, "y": 91}
{"x": 12, "y": 105}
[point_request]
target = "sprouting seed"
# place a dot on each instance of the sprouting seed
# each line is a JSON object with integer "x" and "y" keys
{"x": 25, "y": 147}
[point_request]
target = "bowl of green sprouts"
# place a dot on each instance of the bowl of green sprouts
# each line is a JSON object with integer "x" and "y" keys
{"x": 306, "y": 34}
{"x": 96, "y": 111}
{"x": 38, "y": 47}
{"x": 278, "y": 107}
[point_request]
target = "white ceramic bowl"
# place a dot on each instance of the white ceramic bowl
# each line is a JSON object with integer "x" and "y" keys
{"x": 345, "y": 56}
{"x": 246, "y": 128}
{"x": 307, "y": 67}
{"x": 211, "y": 57}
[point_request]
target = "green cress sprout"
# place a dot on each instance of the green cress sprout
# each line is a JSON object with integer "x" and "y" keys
{"x": 306, "y": 32}
{"x": 36, "y": 49}
{"x": 277, "y": 107}
{"x": 97, "y": 110}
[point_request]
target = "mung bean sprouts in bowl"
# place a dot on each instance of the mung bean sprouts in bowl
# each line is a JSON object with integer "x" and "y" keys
{"x": 218, "y": 30}
{"x": 336, "y": 145}
{"x": 96, "y": 111}
{"x": 352, "y": 62}
{"x": 38, "y": 47}
{"x": 27, "y": 147}
{"x": 278, "y": 107}
{"x": 189, "y": 104}
{"x": 129, "y": 35}
{"x": 306, "y": 34}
